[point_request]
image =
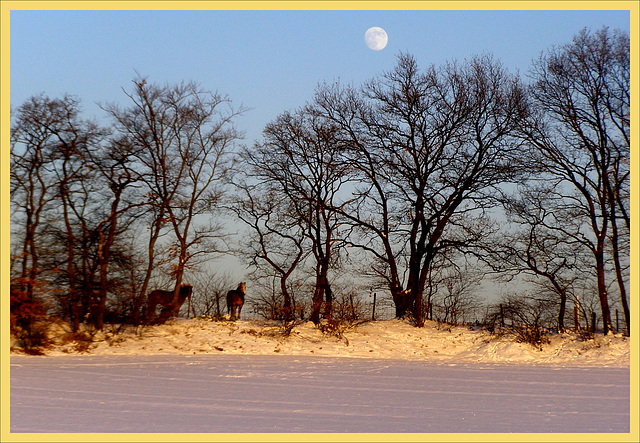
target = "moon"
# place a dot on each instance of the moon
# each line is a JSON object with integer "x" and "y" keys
{"x": 376, "y": 38}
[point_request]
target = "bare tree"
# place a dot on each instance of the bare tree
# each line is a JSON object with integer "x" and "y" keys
{"x": 56, "y": 142}
{"x": 209, "y": 292}
{"x": 299, "y": 161}
{"x": 275, "y": 240}
{"x": 75, "y": 187}
{"x": 430, "y": 148}
{"x": 31, "y": 186}
{"x": 32, "y": 192}
{"x": 580, "y": 131}
{"x": 455, "y": 299}
{"x": 116, "y": 168}
{"x": 539, "y": 246}
{"x": 181, "y": 136}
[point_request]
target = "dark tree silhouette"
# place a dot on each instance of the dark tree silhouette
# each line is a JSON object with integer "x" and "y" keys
{"x": 275, "y": 242}
{"x": 300, "y": 159}
{"x": 181, "y": 136}
{"x": 430, "y": 148}
{"x": 580, "y": 132}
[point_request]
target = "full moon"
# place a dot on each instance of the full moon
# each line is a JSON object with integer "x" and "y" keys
{"x": 376, "y": 38}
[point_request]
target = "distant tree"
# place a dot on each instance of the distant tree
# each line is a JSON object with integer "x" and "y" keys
{"x": 430, "y": 150}
{"x": 299, "y": 160}
{"x": 526, "y": 316}
{"x": 539, "y": 246}
{"x": 275, "y": 241}
{"x": 349, "y": 306}
{"x": 54, "y": 140}
{"x": 32, "y": 189}
{"x": 209, "y": 294}
{"x": 579, "y": 128}
{"x": 267, "y": 299}
{"x": 455, "y": 299}
{"x": 180, "y": 136}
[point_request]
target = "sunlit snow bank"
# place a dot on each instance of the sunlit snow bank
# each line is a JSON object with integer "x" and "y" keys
{"x": 393, "y": 339}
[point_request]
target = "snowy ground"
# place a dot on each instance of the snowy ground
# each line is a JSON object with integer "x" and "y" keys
{"x": 393, "y": 339}
{"x": 239, "y": 393}
{"x": 194, "y": 376}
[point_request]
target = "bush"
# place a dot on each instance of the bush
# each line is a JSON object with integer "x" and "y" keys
{"x": 536, "y": 336}
{"x": 272, "y": 308}
{"x": 81, "y": 340}
{"x": 28, "y": 321}
{"x": 523, "y": 317}
{"x": 213, "y": 318}
{"x": 348, "y": 307}
{"x": 337, "y": 327}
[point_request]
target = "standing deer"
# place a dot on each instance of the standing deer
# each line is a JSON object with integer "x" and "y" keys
{"x": 235, "y": 300}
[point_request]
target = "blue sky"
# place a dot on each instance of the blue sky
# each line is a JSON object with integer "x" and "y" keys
{"x": 269, "y": 61}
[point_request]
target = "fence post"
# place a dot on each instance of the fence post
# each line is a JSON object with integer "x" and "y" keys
{"x": 373, "y": 314}
{"x": 593, "y": 322}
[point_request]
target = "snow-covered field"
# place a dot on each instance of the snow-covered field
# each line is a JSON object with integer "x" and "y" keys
{"x": 195, "y": 376}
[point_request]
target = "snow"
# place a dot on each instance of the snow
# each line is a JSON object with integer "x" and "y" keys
{"x": 394, "y": 339}
{"x": 197, "y": 376}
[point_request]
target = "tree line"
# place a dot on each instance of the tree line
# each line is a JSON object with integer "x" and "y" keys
{"x": 419, "y": 181}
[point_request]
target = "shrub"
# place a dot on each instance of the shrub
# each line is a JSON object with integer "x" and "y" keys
{"x": 28, "y": 321}
{"x": 523, "y": 317}
{"x": 81, "y": 340}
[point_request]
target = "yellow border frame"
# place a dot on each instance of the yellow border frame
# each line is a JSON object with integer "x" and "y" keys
{"x": 5, "y": 10}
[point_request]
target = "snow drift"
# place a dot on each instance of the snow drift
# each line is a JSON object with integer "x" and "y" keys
{"x": 393, "y": 339}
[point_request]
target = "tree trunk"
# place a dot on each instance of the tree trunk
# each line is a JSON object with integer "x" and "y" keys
{"x": 73, "y": 297}
{"x": 602, "y": 290}
{"x": 322, "y": 292}
{"x": 403, "y": 301}
{"x": 29, "y": 274}
{"x": 104, "y": 256}
{"x": 287, "y": 314}
{"x": 318, "y": 295}
{"x": 562, "y": 292}
{"x": 328, "y": 305}
{"x": 561, "y": 313}
{"x": 155, "y": 232}
{"x": 316, "y": 304}
{"x": 619, "y": 275}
